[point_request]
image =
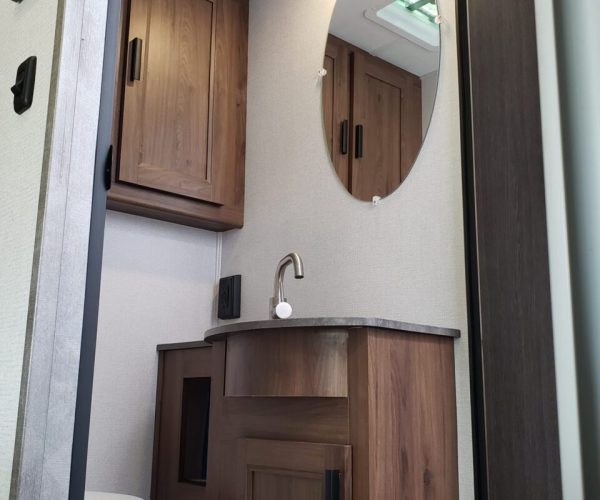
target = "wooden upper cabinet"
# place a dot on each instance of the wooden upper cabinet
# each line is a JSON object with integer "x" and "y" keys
{"x": 181, "y": 113}
{"x": 167, "y": 117}
{"x": 386, "y": 105}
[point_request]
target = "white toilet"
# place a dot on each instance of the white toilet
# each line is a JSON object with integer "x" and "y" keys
{"x": 98, "y": 495}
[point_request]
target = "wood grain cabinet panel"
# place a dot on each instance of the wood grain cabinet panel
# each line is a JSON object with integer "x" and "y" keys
{"x": 363, "y": 92}
{"x": 180, "y": 117}
{"x": 277, "y": 470}
{"x": 167, "y": 114}
{"x": 386, "y": 103}
{"x": 287, "y": 405}
{"x": 182, "y": 403}
{"x": 307, "y": 363}
{"x": 336, "y": 105}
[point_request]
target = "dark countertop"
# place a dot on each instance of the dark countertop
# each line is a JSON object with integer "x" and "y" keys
{"x": 387, "y": 324}
{"x": 224, "y": 331}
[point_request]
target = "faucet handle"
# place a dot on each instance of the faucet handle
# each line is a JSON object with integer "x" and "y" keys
{"x": 281, "y": 310}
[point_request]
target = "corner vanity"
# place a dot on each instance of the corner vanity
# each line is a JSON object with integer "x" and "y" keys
{"x": 306, "y": 409}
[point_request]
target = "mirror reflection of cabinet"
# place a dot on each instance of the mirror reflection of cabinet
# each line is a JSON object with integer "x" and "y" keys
{"x": 277, "y": 470}
{"x": 373, "y": 119}
{"x": 336, "y": 105}
{"x": 182, "y": 425}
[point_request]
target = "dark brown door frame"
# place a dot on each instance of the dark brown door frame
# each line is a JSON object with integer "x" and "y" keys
{"x": 516, "y": 444}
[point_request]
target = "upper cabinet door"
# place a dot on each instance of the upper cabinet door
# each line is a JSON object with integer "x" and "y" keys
{"x": 168, "y": 98}
{"x": 336, "y": 105}
{"x": 386, "y": 105}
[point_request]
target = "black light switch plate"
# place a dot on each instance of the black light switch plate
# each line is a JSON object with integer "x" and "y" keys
{"x": 230, "y": 291}
{"x": 24, "y": 85}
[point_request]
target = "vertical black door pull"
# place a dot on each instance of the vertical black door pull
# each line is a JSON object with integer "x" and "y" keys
{"x": 135, "y": 72}
{"x": 108, "y": 169}
{"x": 359, "y": 141}
{"x": 344, "y": 137}
{"x": 332, "y": 485}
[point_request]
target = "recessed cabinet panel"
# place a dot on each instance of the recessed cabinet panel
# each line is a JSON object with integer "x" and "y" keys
{"x": 180, "y": 112}
{"x": 167, "y": 121}
{"x": 277, "y": 470}
{"x": 386, "y": 104}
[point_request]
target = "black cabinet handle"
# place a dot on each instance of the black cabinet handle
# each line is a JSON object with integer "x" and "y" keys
{"x": 108, "y": 168}
{"x": 135, "y": 72}
{"x": 332, "y": 485}
{"x": 359, "y": 141}
{"x": 344, "y": 137}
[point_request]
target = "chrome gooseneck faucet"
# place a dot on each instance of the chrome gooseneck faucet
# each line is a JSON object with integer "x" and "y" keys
{"x": 280, "y": 308}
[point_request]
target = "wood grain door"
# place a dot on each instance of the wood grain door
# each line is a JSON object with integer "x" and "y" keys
{"x": 386, "y": 106}
{"x": 167, "y": 129}
{"x": 336, "y": 105}
{"x": 277, "y": 470}
{"x": 182, "y": 427}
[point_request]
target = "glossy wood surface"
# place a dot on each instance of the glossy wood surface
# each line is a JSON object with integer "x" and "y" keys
{"x": 184, "y": 161}
{"x": 174, "y": 367}
{"x": 275, "y": 470}
{"x": 307, "y": 363}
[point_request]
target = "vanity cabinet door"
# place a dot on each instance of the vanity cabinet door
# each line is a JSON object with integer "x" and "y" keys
{"x": 181, "y": 138}
{"x": 387, "y": 117}
{"x": 276, "y": 470}
{"x": 182, "y": 425}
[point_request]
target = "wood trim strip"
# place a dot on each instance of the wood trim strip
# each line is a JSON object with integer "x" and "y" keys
{"x": 512, "y": 352}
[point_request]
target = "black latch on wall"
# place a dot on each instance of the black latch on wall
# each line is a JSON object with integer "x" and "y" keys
{"x": 24, "y": 85}
{"x": 230, "y": 291}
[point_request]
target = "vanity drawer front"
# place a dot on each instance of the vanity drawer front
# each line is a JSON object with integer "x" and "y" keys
{"x": 300, "y": 362}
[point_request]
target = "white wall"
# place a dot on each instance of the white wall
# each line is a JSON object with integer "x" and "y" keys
{"x": 158, "y": 286}
{"x": 401, "y": 260}
{"x": 25, "y": 29}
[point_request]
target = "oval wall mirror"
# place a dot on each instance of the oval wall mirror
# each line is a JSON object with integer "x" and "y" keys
{"x": 382, "y": 64}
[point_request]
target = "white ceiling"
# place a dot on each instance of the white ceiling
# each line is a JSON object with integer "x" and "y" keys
{"x": 349, "y": 23}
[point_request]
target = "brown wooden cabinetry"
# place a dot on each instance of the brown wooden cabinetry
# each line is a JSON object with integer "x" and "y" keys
{"x": 373, "y": 119}
{"x": 180, "y": 113}
{"x": 181, "y": 434}
{"x": 313, "y": 413}
{"x": 277, "y": 470}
